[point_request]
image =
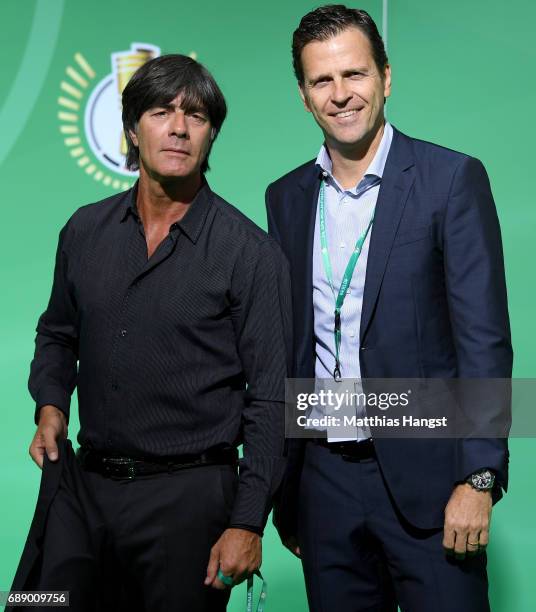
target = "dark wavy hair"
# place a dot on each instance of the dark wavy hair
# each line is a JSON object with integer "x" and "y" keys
{"x": 158, "y": 82}
{"x": 328, "y": 21}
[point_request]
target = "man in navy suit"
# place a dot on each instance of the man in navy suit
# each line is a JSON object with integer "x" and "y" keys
{"x": 383, "y": 522}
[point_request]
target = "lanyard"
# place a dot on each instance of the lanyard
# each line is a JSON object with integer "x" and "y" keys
{"x": 262, "y": 596}
{"x": 350, "y": 267}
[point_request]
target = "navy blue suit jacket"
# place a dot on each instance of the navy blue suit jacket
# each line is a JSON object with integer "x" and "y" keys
{"x": 434, "y": 306}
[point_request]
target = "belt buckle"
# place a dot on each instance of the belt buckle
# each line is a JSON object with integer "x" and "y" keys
{"x": 119, "y": 462}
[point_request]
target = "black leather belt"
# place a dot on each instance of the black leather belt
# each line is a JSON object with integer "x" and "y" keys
{"x": 130, "y": 467}
{"x": 350, "y": 451}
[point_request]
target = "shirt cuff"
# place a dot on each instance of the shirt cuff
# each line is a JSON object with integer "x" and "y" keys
{"x": 54, "y": 396}
{"x": 251, "y": 508}
{"x": 252, "y": 528}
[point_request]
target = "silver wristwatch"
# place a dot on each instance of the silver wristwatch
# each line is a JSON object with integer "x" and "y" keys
{"x": 483, "y": 480}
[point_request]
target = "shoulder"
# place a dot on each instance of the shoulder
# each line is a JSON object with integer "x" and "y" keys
{"x": 88, "y": 217}
{"x": 426, "y": 148}
{"x": 437, "y": 159}
{"x": 240, "y": 229}
{"x": 289, "y": 181}
{"x": 95, "y": 212}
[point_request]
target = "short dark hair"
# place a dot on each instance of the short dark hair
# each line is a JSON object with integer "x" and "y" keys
{"x": 158, "y": 82}
{"x": 328, "y": 21}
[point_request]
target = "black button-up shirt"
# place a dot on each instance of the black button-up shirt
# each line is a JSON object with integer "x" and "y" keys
{"x": 176, "y": 353}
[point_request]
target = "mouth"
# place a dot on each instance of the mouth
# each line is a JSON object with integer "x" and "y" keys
{"x": 345, "y": 116}
{"x": 176, "y": 151}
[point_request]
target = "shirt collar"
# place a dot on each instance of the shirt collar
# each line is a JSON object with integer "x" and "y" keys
{"x": 129, "y": 202}
{"x": 194, "y": 219}
{"x": 376, "y": 166}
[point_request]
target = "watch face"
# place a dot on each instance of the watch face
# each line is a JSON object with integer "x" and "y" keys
{"x": 483, "y": 480}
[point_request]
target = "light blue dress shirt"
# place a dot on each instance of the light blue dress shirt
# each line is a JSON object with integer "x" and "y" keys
{"x": 347, "y": 214}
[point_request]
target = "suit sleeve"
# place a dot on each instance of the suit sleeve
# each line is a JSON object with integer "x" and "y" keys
{"x": 476, "y": 290}
{"x": 286, "y": 502}
{"x": 273, "y": 230}
{"x": 53, "y": 371}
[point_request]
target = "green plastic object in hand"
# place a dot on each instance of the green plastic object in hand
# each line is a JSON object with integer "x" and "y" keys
{"x": 228, "y": 581}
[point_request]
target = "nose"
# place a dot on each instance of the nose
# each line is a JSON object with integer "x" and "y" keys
{"x": 178, "y": 126}
{"x": 340, "y": 94}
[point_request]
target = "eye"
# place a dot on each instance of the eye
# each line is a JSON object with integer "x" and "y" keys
{"x": 159, "y": 113}
{"x": 199, "y": 118}
{"x": 321, "y": 83}
{"x": 356, "y": 76}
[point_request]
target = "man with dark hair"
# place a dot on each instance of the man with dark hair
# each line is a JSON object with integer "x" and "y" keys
{"x": 158, "y": 82}
{"x": 380, "y": 522}
{"x": 176, "y": 308}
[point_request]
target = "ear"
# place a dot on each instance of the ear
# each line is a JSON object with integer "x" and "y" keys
{"x": 387, "y": 81}
{"x": 303, "y": 96}
{"x": 133, "y": 137}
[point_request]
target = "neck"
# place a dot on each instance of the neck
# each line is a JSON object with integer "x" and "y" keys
{"x": 165, "y": 201}
{"x": 351, "y": 162}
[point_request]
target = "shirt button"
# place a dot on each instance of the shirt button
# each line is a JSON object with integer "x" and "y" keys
{"x": 123, "y": 333}
{"x": 348, "y": 291}
{"x": 342, "y": 245}
{"x": 114, "y": 387}
{"x": 352, "y": 333}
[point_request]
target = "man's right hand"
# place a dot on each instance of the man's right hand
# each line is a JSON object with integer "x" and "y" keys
{"x": 51, "y": 428}
{"x": 292, "y": 544}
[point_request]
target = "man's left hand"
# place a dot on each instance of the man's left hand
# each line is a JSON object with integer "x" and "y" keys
{"x": 467, "y": 521}
{"x": 238, "y": 553}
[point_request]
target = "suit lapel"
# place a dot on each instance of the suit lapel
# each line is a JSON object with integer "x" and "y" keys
{"x": 398, "y": 178}
{"x": 304, "y": 215}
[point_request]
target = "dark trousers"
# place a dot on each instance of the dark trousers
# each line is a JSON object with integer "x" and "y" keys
{"x": 359, "y": 555}
{"x": 136, "y": 545}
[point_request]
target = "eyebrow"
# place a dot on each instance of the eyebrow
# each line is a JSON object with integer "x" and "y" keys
{"x": 190, "y": 109}
{"x": 164, "y": 106}
{"x": 345, "y": 73}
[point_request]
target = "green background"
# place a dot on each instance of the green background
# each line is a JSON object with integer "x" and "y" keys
{"x": 462, "y": 77}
